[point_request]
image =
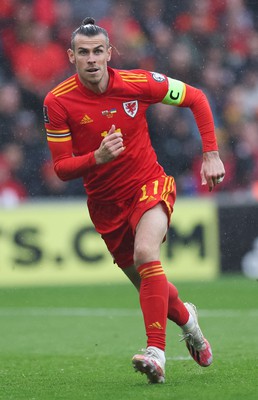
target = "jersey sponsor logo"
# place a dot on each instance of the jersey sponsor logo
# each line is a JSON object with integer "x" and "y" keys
{"x": 86, "y": 120}
{"x": 131, "y": 108}
{"x": 45, "y": 115}
{"x": 109, "y": 113}
{"x": 158, "y": 77}
{"x": 105, "y": 133}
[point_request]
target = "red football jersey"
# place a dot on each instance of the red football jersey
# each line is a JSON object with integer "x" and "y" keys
{"x": 77, "y": 119}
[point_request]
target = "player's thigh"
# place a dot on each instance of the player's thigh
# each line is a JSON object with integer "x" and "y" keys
{"x": 153, "y": 225}
{"x": 150, "y": 233}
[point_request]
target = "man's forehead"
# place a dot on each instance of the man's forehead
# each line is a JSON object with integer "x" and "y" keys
{"x": 90, "y": 41}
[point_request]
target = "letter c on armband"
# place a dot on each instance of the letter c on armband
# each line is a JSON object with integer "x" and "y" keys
{"x": 176, "y": 92}
{"x": 173, "y": 97}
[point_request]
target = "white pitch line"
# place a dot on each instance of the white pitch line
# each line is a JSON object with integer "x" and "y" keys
{"x": 179, "y": 358}
{"x": 111, "y": 312}
{"x": 68, "y": 312}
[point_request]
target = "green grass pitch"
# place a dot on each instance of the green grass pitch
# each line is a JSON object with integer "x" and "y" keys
{"x": 77, "y": 342}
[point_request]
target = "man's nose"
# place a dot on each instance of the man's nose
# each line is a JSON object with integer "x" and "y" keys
{"x": 91, "y": 58}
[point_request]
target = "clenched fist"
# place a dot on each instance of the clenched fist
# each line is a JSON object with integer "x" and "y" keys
{"x": 111, "y": 146}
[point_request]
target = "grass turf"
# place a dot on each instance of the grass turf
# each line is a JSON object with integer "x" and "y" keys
{"x": 77, "y": 343}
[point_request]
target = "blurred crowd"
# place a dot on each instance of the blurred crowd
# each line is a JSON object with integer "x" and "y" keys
{"x": 212, "y": 45}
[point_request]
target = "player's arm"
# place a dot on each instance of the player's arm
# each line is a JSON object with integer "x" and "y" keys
{"x": 59, "y": 138}
{"x": 68, "y": 167}
{"x": 183, "y": 95}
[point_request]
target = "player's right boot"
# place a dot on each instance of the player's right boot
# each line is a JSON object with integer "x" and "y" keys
{"x": 151, "y": 363}
{"x": 198, "y": 346}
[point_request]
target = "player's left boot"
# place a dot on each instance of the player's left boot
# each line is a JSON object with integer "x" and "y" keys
{"x": 151, "y": 363}
{"x": 198, "y": 346}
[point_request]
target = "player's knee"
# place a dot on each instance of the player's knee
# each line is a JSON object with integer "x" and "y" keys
{"x": 144, "y": 253}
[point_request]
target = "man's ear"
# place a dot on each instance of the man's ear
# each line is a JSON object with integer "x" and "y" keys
{"x": 109, "y": 53}
{"x": 71, "y": 56}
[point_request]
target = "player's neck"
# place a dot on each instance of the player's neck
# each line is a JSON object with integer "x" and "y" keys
{"x": 98, "y": 87}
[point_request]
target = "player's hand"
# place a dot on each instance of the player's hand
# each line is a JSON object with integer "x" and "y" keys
{"x": 212, "y": 170}
{"x": 111, "y": 147}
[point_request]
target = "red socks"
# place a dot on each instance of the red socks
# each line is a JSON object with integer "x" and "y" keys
{"x": 177, "y": 312}
{"x": 154, "y": 302}
{"x": 159, "y": 300}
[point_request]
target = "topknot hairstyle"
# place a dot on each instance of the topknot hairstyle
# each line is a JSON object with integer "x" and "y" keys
{"x": 89, "y": 28}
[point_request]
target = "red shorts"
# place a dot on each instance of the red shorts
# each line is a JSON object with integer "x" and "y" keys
{"x": 116, "y": 222}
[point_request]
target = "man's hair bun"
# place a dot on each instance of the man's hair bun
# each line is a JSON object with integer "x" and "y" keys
{"x": 88, "y": 21}
{"x": 89, "y": 28}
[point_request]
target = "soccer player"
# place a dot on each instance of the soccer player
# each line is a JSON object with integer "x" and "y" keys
{"x": 96, "y": 129}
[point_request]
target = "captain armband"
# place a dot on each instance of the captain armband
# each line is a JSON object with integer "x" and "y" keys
{"x": 176, "y": 92}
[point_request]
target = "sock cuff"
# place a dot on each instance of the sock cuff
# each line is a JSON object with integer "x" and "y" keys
{"x": 189, "y": 324}
{"x": 149, "y": 269}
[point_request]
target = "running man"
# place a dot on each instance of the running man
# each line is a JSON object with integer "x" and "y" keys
{"x": 96, "y": 129}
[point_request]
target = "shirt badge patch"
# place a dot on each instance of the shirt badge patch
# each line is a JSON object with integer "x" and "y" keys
{"x": 45, "y": 115}
{"x": 109, "y": 113}
{"x": 158, "y": 77}
{"x": 131, "y": 108}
